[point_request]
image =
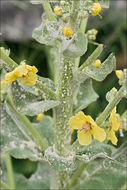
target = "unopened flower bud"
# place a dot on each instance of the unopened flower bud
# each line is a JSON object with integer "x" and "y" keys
{"x": 96, "y": 8}
{"x": 97, "y": 63}
{"x": 57, "y": 10}
{"x": 67, "y": 31}
{"x": 119, "y": 73}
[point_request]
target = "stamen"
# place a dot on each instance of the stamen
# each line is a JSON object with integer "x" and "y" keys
{"x": 86, "y": 126}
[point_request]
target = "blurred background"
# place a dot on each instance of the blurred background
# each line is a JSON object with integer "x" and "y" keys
{"x": 19, "y": 18}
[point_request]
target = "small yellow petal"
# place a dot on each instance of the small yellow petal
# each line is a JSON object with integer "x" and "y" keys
{"x": 57, "y": 10}
{"x": 90, "y": 120}
{"x": 39, "y": 117}
{"x": 98, "y": 133}
{"x": 119, "y": 73}
{"x": 30, "y": 79}
{"x": 9, "y": 77}
{"x": 114, "y": 119}
{"x": 34, "y": 69}
{"x": 96, "y": 8}
{"x": 84, "y": 137}
{"x": 72, "y": 130}
{"x": 67, "y": 31}
{"x": 20, "y": 70}
{"x": 46, "y": 20}
{"x": 31, "y": 68}
{"x": 111, "y": 136}
{"x": 77, "y": 121}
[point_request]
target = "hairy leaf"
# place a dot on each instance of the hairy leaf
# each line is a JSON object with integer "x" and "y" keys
{"x": 57, "y": 162}
{"x": 47, "y": 33}
{"x": 39, "y": 180}
{"x": 75, "y": 47}
{"x": 98, "y": 74}
{"x": 45, "y": 129}
{"x": 28, "y": 103}
{"x": 85, "y": 96}
{"x": 14, "y": 137}
{"x": 105, "y": 173}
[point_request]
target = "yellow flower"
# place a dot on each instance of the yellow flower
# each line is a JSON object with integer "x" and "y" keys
{"x": 119, "y": 73}
{"x": 97, "y": 63}
{"x": 96, "y": 8}
{"x": 39, "y": 117}
{"x": 115, "y": 124}
{"x": 86, "y": 127}
{"x": 25, "y": 72}
{"x": 46, "y": 20}
{"x": 67, "y": 31}
{"x": 114, "y": 117}
{"x": 57, "y": 10}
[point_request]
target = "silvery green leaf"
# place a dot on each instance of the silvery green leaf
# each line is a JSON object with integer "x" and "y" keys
{"x": 28, "y": 103}
{"x": 99, "y": 73}
{"x": 105, "y": 173}
{"x": 39, "y": 180}
{"x": 47, "y": 82}
{"x": 35, "y": 108}
{"x": 75, "y": 47}
{"x": 95, "y": 148}
{"x": 14, "y": 137}
{"x": 58, "y": 162}
{"x": 47, "y": 33}
{"x": 21, "y": 96}
{"x": 45, "y": 128}
{"x": 86, "y": 95}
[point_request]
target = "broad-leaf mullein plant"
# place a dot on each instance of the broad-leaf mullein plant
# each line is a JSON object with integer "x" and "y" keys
{"x": 75, "y": 150}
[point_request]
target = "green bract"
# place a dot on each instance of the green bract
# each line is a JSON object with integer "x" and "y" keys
{"x": 75, "y": 47}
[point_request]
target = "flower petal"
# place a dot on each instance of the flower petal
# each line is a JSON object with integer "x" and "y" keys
{"x": 114, "y": 119}
{"x": 84, "y": 137}
{"x": 98, "y": 133}
{"x": 30, "y": 79}
{"x": 111, "y": 136}
{"x": 90, "y": 120}
{"x": 77, "y": 121}
{"x": 20, "y": 70}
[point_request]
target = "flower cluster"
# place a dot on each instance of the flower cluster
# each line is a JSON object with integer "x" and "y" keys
{"x": 87, "y": 128}
{"x": 25, "y": 72}
{"x": 92, "y": 34}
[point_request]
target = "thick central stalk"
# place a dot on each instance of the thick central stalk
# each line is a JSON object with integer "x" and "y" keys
{"x": 62, "y": 114}
{"x": 64, "y": 110}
